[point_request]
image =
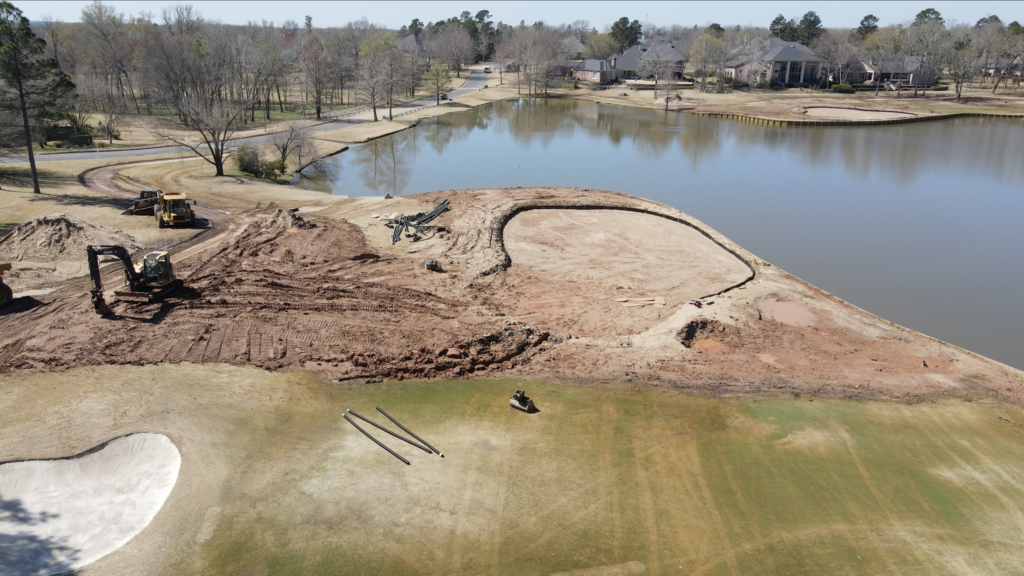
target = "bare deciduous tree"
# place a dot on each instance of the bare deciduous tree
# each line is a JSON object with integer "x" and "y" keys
{"x": 438, "y": 78}
{"x": 659, "y": 63}
{"x": 316, "y": 70}
{"x": 293, "y": 141}
{"x": 928, "y": 42}
{"x": 836, "y": 52}
{"x": 962, "y": 58}
{"x": 193, "y": 76}
{"x": 453, "y": 46}
{"x": 707, "y": 53}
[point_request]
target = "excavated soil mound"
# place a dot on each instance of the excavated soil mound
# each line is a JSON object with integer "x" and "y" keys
{"x": 60, "y": 515}
{"x": 60, "y": 238}
{"x": 573, "y": 269}
{"x": 280, "y": 295}
{"x": 282, "y": 219}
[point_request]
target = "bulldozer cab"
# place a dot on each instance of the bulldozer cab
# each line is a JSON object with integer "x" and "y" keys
{"x": 148, "y": 193}
{"x": 156, "y": 269}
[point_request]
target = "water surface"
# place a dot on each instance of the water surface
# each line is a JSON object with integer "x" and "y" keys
{"x": 918, "y": 223}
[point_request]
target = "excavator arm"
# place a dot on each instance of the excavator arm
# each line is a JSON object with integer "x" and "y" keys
{"x": 135, "y": 281}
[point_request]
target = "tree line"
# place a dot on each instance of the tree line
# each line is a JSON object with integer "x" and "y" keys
{"x": 215, "y": 79}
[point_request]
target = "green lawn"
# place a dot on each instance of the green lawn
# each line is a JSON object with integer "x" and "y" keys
{"x": 651, "y": 482}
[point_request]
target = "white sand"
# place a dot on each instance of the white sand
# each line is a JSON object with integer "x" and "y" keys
{"x": 60, "y": 515}
{"x": 854, "y": 114}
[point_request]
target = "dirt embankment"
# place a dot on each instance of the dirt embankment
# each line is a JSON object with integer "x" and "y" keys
{"x": 561, "y": 283}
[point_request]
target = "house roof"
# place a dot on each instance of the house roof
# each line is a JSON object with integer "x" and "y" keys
{"x": 594, "y": 65}
{"x": 632, "y": 59}
{"x": 778, "y": 51}
{"x": 893, "y": 65}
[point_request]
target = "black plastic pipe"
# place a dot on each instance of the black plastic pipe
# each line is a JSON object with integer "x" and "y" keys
{"x": 372, "y": 423}
{"x": 393, "y": 453}
{"x": 410, "y": 432}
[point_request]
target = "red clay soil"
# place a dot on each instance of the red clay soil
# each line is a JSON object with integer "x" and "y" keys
{"x": 327, "y": 292}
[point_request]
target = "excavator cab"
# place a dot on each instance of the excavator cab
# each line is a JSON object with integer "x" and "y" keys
{"x": 156, "y": 269}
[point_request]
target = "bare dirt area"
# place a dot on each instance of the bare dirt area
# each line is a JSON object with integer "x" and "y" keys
{"x": 556, "y": 292}
{"x": 585, "y": 271}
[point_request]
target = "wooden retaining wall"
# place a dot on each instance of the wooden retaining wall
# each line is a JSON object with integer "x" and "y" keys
{"x": 796, "y": 123}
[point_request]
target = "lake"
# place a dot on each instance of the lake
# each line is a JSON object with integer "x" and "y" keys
{"x": 920, "y": 224}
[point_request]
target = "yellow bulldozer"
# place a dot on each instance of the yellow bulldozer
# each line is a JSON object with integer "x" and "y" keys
{"x": 173, "y": 210}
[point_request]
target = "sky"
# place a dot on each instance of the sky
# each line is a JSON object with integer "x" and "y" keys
{"x": 599, "y": 14}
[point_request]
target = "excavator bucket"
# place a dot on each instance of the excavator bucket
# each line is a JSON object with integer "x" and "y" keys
{"x": 100, "y": 305}
{"x": 520, "y": 401}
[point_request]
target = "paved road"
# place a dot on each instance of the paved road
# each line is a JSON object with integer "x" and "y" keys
{"x": 474, "y": 82}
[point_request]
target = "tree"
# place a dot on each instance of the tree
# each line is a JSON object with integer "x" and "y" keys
{"x": 868, "y": 26}
{"x": 928, "y": 15}
{"x": 599, "y": 46}
{"x": 706, "y": 53}
{"x": 581, "y": 30}
{"x": 1010, "y": 50}
{"x": 375, "y": 76}
{"x": 625, "y": 33}
{"x": 717, "y": 30}
{"x": 192, "y": 72}
{"x": 834, "y": 48}
{"x": 294, "y": 140}
{"x": 452, "y": 45}
{"x": 502, "y": 57}
{"x": 316, "y": 70}
{"x": 928, "y": 43}
{"x": 962, "y": 59}
{"x": 658, "y": 63}
{"x": 438, "y": 78}
{"x": 809, "y": 28}
{"x": 785, "y": 29}
{"x": 30, "y": 83}
{"x": 883, "y": 46}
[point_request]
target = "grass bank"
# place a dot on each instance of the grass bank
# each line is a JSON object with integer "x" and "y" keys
{"x": 610, "y": 480}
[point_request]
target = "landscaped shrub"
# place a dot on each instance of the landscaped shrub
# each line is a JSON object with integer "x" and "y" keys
{"x": 842, "y": 88}
{"x": 250, "y": 160}
{"x": 939, "y": 87}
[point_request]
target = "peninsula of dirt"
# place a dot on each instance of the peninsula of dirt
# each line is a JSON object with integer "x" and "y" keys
{"x": 571, "y": 284}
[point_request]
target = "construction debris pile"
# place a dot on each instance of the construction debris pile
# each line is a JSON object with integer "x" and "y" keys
{"x": 418, "y": 222}
{"x": 59, "y": 238}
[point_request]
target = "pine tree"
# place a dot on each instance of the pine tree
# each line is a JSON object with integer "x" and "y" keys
{"x": 31, "y": 83}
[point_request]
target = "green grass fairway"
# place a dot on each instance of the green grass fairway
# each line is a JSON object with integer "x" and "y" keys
{"x": 614, "y": 481}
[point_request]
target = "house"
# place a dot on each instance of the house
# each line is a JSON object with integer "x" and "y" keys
{"x": 905, "y": 69}
{"x": 786, "y": 63}
{"x": 629, "y": 64}
{"x": 595, "y": 70}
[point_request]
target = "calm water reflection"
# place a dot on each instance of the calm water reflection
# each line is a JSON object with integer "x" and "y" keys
{"x": 919, "y": 223}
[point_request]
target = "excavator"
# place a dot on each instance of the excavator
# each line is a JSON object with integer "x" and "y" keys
{"x": 151, "y": 280}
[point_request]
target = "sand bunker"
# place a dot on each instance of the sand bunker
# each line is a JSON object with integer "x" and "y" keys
{"x": 59, "y": 237}
{"x": 59, "y": 515}
{"x": 791, "y": 313}
{"x": 854, "y": 114}
{"x": 570, "y": 268}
